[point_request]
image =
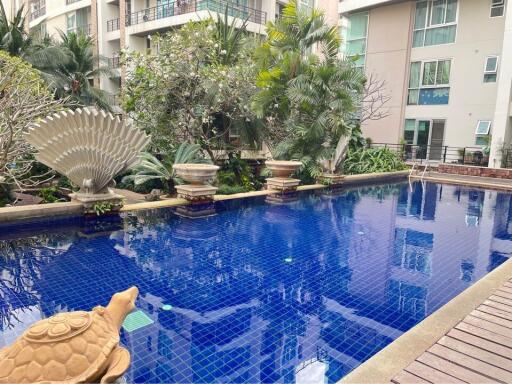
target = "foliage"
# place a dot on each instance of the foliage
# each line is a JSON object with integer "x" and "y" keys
{"x": 191, "y": 89}
{"x": 49, "y": 194}
{"x": 36, "y": 50}
{"x": 24, "y": 99}
{"x": 72, "y": 77}
{"x": 103, "y": 207}
{"x": 357, "y": 140}
{"x": 5, "y": 194}
{"x": 308, "y": 101}
{"x": 225, "y": 189}
{"x": 372, "y": 160}
{"x": 150, "y": 168}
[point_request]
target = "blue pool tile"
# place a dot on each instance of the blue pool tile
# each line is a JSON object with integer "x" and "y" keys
{"x": 261, "y": 292}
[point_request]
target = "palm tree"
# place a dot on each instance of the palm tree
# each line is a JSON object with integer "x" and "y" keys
{"x": 150, "y": 168}
{"x": 14, "y": 39}
{"x": 307, "y": 99}
{"x": 74, "y": 78}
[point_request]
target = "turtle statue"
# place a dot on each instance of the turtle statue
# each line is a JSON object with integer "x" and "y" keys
{"x": 74, "y": 347}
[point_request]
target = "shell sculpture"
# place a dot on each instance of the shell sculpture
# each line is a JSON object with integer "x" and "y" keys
{"x": 75, "y": 347}
{"x": 88, "y": 146}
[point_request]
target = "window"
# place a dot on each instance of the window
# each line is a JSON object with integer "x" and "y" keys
{"x": 482, "y": 132}
{"x": 429, "y": 82}
{"x": 435, "y": 22}
{"x": 497, "y": 8}
{"x": 354, "y": 34}
{"x": 491, "y": 69}
{"x": 71, "y": 22}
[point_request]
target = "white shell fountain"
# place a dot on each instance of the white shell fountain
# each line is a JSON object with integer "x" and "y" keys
{"x": 198, "y": 175}
{"x": 88, "y": 146}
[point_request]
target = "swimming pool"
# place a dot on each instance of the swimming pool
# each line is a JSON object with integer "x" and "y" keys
{"x": 261, "y": 292}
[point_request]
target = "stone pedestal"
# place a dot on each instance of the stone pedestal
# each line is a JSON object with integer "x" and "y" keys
{"x": 197, "y": 193}
{"x": 283, "y": 184}
{"x": 89, "y": 200}
{"x": 194, "y": 211}
{"x": 331, "y": 179}
{"x": 282, "y": 198}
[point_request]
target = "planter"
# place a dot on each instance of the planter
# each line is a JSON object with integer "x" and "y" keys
{"x": 282, "y": 168}
{"x": 196, "y": 174}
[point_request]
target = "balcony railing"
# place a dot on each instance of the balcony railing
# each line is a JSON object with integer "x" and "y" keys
{"x": 438, "y": 153}
{"x": 40, "y": 11}
{"x": 85, "y": 29}
{"x": 113, "y": 25}
{"x": 180, "y": 7}
{"x": 114, "y": 62}
{"x": 68, "y": 2}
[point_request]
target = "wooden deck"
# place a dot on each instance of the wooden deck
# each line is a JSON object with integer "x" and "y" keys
{"x": 476, "y": 350}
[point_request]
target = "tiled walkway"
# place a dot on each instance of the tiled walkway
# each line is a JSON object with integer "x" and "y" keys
{"x": 476, "y": 350}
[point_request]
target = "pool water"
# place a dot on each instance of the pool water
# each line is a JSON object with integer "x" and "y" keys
{"x": 260, "y": 292}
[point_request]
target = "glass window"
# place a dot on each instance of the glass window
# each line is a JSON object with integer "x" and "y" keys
{"x": 435, "y": 22}
{"x": 435, "y": 78}
{"x": 409, "y": 129}
{"x": 355, "y": 33}
{"x": 483, "y": 127}
{"x": 491, "y": 69}
{"x": 497, "y": 8}
{"x": 71, "y": 22}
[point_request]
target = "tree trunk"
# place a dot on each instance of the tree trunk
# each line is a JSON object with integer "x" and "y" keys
{"x": 171, "y": 186}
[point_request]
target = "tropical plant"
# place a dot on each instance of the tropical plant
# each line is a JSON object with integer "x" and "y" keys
{"x": 372, "y": 160}
{"x": 72, "y": 78}
{"x": 24, "y": 99}
{"x": 49, "y": 194}
{"x": 307, "y": 100}
{"x": 196, "y": 87}
{"x": 150, "y": 168}
{"x": 37, "y": 50}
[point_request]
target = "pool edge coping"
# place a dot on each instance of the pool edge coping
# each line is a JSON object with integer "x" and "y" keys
{"x": 394, "y": 358}
{"x": 30, "y": 212}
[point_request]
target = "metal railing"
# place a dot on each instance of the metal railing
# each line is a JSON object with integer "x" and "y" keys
{"x": 40, "y": 11}
{"x": 113, "y": 25}
{"x": 86, "y": 29}
{"x": 68, "y": 2}
{"x": 180, "y": 7}
{"x": 438, "y": 153}
{"x": 114, "y": 62}
{"x": 113, "y": 100}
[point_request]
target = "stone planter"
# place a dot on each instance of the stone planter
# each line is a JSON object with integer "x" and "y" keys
{"x": 282, "y": 168}
{"x": 198, "y": 175}
{"x": 331, "y": 179}
{"x": 281, "y": 175}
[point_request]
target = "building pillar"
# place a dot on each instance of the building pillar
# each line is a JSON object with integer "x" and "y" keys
{"x": 123, "y": 17}
{"x": 501, "y": 134}
{"x": 95, "y": 33}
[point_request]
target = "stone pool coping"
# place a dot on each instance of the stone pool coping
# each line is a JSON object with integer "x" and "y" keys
{"x": 28, "y": 212}
{"x": 390, "y": 361}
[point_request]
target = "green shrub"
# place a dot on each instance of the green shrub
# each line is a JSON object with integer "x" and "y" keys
{"x": 5, "y": 195}
{"x": 231, "y": 189}
{"x": 49, "y": 194}
{"x": 372, "y": 160}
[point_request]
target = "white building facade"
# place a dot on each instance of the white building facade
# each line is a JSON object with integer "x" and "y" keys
{"x": 447, "y": 67}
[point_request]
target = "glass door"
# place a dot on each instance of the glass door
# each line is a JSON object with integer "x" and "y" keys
{"x": 436, "y": 140}
{"x": 422, "y": 138}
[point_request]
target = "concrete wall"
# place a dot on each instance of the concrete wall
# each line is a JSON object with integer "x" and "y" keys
{"x": 471, "y": 99}
{"x": 387, "y": 59}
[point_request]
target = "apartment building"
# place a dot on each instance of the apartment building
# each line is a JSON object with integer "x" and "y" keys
{"x": 129, "y": 24}
{"x": 447, "y": 66}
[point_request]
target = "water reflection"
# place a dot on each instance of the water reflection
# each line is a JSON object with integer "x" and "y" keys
{"x": 266, "y": 292}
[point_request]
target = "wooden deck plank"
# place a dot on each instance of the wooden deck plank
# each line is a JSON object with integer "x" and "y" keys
{"x": 481, "y": 343}
{"x": 405, "y": 377}
{"x": 500, "y": 330}
{"x": 430, "y": 374}
{"x": 491, "y": 318}
{"x": 500, "y": 299}
{"x": 471, "y": 363}
{"x": 477, "y": 353}
{"x": 495, "y": 312}
{"x": 477, "y": 350}
{"x": 452, "y": 369}
{"x": 485, "y": 334}
{"x": 500, "y": 306}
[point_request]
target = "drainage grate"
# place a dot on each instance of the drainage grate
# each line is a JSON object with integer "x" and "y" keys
{"x": 136, "y": 320}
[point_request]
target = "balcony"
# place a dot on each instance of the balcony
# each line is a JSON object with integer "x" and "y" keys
{"x": 39, "y": 9}
{"x": 181, "y": 7}
{"x": 113, "y": 25}
{"x": 68, "y": 2}
{"x": 114, "y": 62}
{"x": 85, "y": 29}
